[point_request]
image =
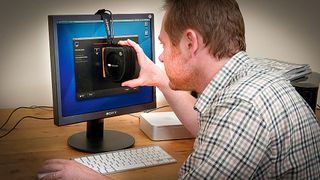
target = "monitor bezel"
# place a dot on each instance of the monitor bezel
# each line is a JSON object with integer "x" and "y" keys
{"x": 59, "y": 119}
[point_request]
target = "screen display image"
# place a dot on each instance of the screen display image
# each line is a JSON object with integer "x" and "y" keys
{"x": 82, "y": 92}
{"x": 90, "y": 74}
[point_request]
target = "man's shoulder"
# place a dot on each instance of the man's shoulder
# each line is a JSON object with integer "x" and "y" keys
{"x": 254, "y": 83}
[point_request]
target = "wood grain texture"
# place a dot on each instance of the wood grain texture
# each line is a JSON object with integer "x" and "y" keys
{"x": 33, "y": 141}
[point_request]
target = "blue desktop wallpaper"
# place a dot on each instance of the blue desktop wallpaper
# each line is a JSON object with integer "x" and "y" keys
{"x": 66, "y": 31}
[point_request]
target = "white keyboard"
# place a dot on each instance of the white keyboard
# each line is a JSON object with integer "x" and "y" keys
{"x": 127, "y": 159}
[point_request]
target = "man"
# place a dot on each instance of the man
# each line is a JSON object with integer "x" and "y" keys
{"x": 249, "y": 123}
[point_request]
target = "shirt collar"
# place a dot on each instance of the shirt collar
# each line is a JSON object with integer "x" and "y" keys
{"x": 221, "y": 80}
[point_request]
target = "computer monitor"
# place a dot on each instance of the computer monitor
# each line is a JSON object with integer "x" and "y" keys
{"x": 81, "y": 91}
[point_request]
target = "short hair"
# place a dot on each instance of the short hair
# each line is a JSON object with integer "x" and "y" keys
{"x": 220, "y": 22}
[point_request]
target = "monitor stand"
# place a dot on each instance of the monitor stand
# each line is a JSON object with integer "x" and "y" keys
{"x": 96, "y": 139}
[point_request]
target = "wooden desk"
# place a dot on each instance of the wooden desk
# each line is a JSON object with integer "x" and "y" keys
{"x": 23, "y": 151}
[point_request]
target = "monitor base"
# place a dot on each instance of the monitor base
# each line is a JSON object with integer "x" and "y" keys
{"x": 111, "y": 141}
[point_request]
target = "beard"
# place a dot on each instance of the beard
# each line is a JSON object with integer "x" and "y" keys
{"x": 181, "y": 76}
{"x": 173, "y": 86}
{"x": 178, "y": 84}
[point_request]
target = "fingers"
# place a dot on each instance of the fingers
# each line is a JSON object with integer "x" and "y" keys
{"x": 51, "y": 176}
{"x": 52, "y": 165}
{"x": 123, "y": 43}
{"x": 66, "y": 169}
{"x": 145, "y": 65}
{"x": 136, "y": 47}
{"x": 132, "y": 83}
{"x": 133, "y": 44}
{"x": 128, "y": 42}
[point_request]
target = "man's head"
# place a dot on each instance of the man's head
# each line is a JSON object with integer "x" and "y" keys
{"x": 220, "y": 23}
{"x": 198, "y": 36}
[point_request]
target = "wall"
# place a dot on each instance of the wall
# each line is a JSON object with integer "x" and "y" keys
{"x": 285, "y": 30}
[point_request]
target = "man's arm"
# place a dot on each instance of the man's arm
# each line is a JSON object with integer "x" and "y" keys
{"x": 182, "y": 104}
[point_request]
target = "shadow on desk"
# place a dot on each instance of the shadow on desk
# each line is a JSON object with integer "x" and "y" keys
{"x": 25, "y": 149}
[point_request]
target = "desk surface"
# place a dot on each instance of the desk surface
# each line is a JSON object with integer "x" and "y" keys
{"x": 33, "y": 141}
{"x": 23, "y": 151}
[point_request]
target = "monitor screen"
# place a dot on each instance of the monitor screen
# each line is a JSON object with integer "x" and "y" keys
{"x": 81, "y": 89}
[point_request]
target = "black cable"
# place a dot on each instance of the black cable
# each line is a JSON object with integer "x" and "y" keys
{"x": 20, "y": 120}
{"x": 156, "y": 108}
{"x": 12, "y": 114}
{"x": 107, "y": 17}
{"x": 46, "y": 108}
{"x": 133, "y": 116}
{"x": 318, "y": 106}
{"x": 150, "y": 110}
{"x": 112, "y": 27}
{"x": 31, "y": 107}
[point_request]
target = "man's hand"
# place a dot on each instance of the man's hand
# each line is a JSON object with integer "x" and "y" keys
{"x": 68, "y": 169}
{"x": 150, "y": 74}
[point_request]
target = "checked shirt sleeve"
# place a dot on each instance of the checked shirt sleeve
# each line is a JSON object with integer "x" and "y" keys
{"x": 232, "y": 140}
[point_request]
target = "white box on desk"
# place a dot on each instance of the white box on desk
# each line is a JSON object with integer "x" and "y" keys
{"x": 163, "y": 126}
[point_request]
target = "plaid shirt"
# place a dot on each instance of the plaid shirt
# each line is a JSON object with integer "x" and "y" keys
{"x": 253, "y": 125}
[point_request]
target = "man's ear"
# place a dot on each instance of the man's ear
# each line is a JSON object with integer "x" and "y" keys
{"x": 190, "y": 42}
